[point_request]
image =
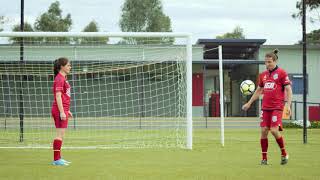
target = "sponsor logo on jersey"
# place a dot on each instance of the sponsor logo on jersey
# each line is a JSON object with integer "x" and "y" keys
{"x": 269, "y": 85}
{"x": 68, "y": 92}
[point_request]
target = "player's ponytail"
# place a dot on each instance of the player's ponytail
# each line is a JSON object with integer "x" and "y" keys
{"x": 58, "y": 63}
{"x": 273, "y": 54}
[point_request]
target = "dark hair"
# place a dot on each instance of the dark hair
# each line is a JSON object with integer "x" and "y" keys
{"x": 273, "y": 54}
{"x": 58, "y": 63}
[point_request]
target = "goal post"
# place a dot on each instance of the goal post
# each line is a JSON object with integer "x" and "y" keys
{"x": 221, "y": 96}
{"x": 133, "y": 92}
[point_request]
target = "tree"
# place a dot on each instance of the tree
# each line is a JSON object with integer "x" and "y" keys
{"x": 145, "y": 16}
{"x": 313, "y": 5}
{"x": 93, "y": 27}
{"x": 313, "y": 38}
{"x": 53, "y": 21}
{"x": 27, "y": 28}
{"x": 237, "y": 33}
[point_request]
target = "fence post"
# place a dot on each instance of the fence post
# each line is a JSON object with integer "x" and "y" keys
{"x": 295, "y": 110}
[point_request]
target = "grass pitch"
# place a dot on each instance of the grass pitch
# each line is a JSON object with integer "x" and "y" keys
{"x": 239, "y": 159}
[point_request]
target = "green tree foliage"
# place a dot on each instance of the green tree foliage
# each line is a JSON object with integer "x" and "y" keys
{"x": 27, "y": 28}
{"x": 93, "y": 27}
{"x": 53, "y": 21}
{"x": 145, "y": 16}
{"x": 312, "y": 6}
{"x": 237, "y": 33}
{"x": 313, "y": 38}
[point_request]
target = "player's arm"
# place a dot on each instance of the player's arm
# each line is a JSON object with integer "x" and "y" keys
{"x": 60, "y": 106}
{"x": 253, "y": 98}
{"x": 288, "y": 90}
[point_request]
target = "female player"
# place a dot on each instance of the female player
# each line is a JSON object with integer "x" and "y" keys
{"x": 61, "y": 106}
{"x": 274, "y": 83}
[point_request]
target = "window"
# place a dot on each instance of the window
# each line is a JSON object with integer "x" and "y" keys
{"x": 297, "y": 83}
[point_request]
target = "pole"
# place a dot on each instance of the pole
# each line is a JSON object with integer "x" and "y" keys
{"x": 189, "y": 92}
{"x": 304, "y": 56}
{"x": 21, "y": 112}
{"x": 221, "y": 96}
{"x": 205, "y": 95}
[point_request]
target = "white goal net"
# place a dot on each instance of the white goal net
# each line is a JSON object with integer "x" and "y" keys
{"x": 133, "y": 92}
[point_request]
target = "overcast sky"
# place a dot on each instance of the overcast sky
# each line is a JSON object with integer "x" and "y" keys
{"x": 263, "y": 19}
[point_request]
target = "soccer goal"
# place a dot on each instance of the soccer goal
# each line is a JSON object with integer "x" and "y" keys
{"x": 132, "y": 92}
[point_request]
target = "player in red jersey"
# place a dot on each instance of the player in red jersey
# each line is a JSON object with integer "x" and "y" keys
{"x": 61, "y": 106}
{"x": 273, "y": 84}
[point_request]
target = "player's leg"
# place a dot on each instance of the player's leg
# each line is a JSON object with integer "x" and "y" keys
{"x": 275, "y": 124}
{"x": 60, "y": 135}
{"x": 264, "y": 144}
{"x": 264, "y": 124}
{"x": 57, "y": 142}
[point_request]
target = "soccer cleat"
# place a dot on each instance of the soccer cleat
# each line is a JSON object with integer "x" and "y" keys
{"x": 284, "y": 159}
{"x": 65, "y": 161}
{"x": 264, "y": 162}
{"x": 59, "y": 163}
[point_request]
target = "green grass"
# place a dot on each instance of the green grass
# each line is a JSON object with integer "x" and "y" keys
{"x": 239, "y": 159}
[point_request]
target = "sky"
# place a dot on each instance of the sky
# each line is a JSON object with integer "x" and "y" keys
{"x": 260, "y": 19}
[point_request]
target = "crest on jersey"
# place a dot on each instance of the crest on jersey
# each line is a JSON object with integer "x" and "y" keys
{"x": 275, "y": 76}
{"x": 274, "y": 118}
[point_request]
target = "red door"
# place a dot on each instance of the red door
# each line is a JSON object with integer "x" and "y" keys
{"x": 197, "y": 89}
{"x": 314, "y": 113}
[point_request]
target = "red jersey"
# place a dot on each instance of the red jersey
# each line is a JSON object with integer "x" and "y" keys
{"x": 61, "y": 84}
{"x": 273, "y": 83}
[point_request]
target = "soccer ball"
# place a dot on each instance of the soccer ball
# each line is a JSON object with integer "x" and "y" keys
{"x": 247, "y": 87}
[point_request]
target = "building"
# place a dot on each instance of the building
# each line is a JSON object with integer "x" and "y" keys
{"x": 242, "y": 58}
{"x": 290, "y": 58}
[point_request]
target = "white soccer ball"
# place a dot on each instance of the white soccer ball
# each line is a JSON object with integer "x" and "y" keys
{"x": 247, "y": 87}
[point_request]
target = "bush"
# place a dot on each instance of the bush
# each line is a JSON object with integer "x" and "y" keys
{"x": 314, "y": 125}
{"x": 290, "y": 125}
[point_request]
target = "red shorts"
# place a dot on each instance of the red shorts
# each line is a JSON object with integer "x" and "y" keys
{"x": 271, "y": 118}
{"x": 57, "y": 120}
